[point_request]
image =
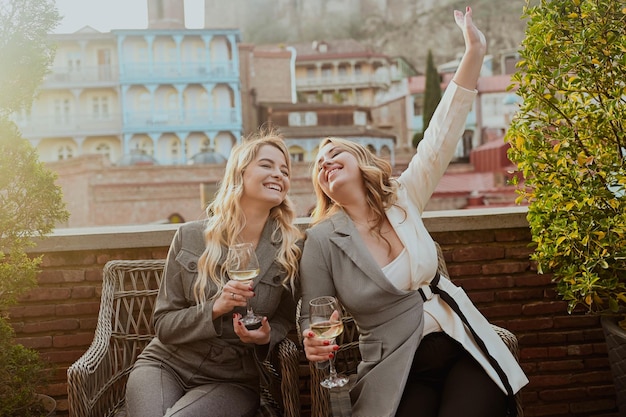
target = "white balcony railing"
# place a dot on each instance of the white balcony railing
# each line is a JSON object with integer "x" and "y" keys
{"x": 344, "y": 81}
{"x": 140, "y": 72}
{"x": 84, "y": 76}
{"x": 70, "y": 125}
{"x": 204, "y": 119}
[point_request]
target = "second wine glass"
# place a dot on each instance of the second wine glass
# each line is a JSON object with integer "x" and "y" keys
{"x": 243, "y": 266}
{"x": 326, "y": 323}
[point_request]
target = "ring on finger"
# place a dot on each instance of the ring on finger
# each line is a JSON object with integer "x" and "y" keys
{"x": 232, "y": 295}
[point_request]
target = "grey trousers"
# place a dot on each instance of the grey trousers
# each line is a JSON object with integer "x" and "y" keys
{"x": 153, "y": 390}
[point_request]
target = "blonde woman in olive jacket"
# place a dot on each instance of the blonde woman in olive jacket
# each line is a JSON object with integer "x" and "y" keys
{"x": 203, "y": 361}
{"x": 370, "y": 249}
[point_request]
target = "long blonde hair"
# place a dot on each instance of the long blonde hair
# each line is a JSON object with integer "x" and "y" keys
{"x": 380, "y": 187}
{"x": 226, "y": 219}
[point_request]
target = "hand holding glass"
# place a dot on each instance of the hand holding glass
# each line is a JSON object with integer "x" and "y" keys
{"x": 326, "y": 323}
{"x": 243, "y": 266}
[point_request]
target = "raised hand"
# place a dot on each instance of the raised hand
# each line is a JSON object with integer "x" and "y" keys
{"x": 474, "y": 38}
{"x": 475, "y": 48}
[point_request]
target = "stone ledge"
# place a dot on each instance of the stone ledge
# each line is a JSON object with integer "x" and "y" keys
{"x": 160, "y": 235}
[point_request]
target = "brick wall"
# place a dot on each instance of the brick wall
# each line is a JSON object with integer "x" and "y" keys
{"x": 564, "y": 356}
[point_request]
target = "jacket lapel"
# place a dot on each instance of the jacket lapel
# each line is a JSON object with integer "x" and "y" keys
{"x": 348, "y": 239}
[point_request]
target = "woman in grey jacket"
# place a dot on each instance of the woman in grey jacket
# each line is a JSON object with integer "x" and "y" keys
{"x": 369, "y": 247}
{"x": 203, "y": 361}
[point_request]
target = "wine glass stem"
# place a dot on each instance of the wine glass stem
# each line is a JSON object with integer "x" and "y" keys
{"x": 331, "y": 369}
{"x": 331, "y": 365}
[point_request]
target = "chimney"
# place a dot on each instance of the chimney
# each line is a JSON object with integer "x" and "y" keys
{"x": 166, "y": 14}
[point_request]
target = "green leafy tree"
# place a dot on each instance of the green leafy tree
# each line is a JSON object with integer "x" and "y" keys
{"x": 25, "y": 50}
{"x": 569, "y": 143}
{"x": 30, "y": 202}
{"x": 432, "y": 90}
{"x": 30, "y": 206}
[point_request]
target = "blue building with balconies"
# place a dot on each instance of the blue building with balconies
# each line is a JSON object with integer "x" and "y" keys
{"x": 164, "y": 95}
{"x": 179, "y": 92}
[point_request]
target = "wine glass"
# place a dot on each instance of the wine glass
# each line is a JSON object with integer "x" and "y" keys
{"x": 243, "y": 265}
{"x": 326, "y": 323}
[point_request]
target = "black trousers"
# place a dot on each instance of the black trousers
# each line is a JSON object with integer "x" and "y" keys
{"x": 446, "y": 381}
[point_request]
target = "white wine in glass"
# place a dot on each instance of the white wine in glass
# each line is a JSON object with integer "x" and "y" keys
{"x": 326, "y": 323}
{"x": 243, "y": 266}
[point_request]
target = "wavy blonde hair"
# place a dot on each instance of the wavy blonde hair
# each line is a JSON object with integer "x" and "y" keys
{"x": 380, "y": 187}
{"x": 226, "y": 219}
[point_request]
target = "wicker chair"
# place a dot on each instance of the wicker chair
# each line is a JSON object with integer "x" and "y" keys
{"x": 336, "y": 402}
{"x": 97, "y": 380}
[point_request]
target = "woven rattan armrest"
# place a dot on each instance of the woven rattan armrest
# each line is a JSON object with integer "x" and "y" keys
{"x": 97, "y": 380}
{"x": 283, "y": 368}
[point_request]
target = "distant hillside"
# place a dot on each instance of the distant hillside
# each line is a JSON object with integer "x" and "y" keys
{"x": 395, "y": 27}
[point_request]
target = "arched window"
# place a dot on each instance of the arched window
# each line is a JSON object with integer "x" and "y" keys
{"x": 206, "y": 146}
{"x": 174, "y": 148}
{"x": 104, "y": 149}
{"x": 65, "y": 152}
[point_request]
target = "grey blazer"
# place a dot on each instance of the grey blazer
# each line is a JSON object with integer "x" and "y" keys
{"x": 201, "y": 350}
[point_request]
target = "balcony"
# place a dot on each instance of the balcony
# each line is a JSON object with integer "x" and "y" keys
{"x": 486, "y": 252}
{"x": 343, "y": 82}
{"x": 92, "y": 77}
{"x": 179, "y": 72}
{"x": 222, "y": 119}
{"x": 72, "y": 125}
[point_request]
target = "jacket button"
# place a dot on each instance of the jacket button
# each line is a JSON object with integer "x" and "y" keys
{"x": 193, "y": 266}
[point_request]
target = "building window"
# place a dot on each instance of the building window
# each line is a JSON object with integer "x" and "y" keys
{"x": 65, "y": 152}
{"x": 418, "y": 104}
{"x": 62, "y": 111}
{"x": 310, "y": 118}
{"x": 297, "y": 156}
{"x": 174, "y": 148}
{"x": 100, "y": 108}
{"x": 104, "y": 149}
{"x": 73, "y": 62}
{"x": 327, "y": 72}
{"x": 295, "y": 119}
{"x": 359, "y": 97}
{"x": 144, "y": 146}
{"x": 360, "y": 118}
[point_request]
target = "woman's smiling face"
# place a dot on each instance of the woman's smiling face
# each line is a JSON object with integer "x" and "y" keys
{"x": 266, "y": 178}
{"x": 337, "y": 168}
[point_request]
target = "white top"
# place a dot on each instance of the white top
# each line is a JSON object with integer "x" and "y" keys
{"x": 398, "y": 272}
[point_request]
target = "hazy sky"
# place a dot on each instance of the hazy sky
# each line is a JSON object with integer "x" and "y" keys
{"x": 105, "y": 15}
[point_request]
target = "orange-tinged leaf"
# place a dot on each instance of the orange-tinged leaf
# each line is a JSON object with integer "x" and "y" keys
{"x": 600, "y": 234}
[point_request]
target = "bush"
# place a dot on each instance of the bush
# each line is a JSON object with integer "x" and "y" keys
{"x": 569, "y": 142}
{"x": 21, "y": 373}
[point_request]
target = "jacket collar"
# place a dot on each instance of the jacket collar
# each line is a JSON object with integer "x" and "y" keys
{"x": 347, "y": 238}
